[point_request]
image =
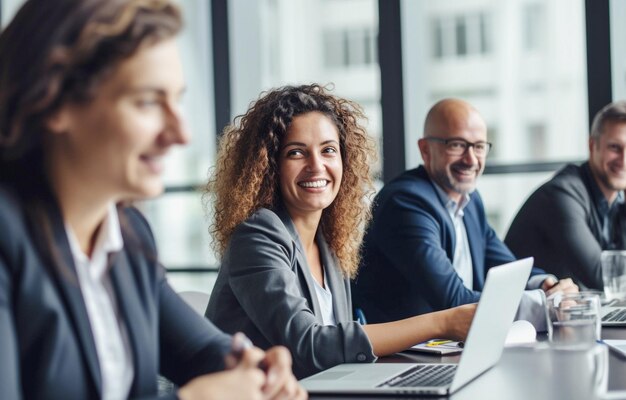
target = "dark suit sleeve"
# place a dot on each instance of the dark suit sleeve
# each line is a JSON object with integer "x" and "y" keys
{"x": 410, "y": 237}
{"x": 9, "y": 360}
{"x": 268, "y": 290}
{"x": 558, "y": 219}
{"x": 189, "y": 344}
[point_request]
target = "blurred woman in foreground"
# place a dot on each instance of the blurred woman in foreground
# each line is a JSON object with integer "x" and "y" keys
{"x": 89, "y": 106}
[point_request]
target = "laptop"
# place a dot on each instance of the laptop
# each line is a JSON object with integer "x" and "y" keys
{"x": 496, "y": 310}
{"x": 614, "y": 313}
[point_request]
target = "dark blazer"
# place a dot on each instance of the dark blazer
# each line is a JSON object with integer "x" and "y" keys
{"x": 46, "y": 345}
{"x": 559, "y": 225}
{"x": 408, "y": 250}
{"x": 265, "y": 289}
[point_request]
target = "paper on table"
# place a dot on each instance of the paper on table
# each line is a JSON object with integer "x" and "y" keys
{"x": 521, "y": 332}
{"x": 438, "y": 346}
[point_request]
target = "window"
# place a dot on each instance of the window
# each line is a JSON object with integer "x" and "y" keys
{"x": 493, "y": 136}
{"x": 437, "y": 27}
{"x": 532, "y": 25}
{"x": 618, "y": 48}
{"x": 537, "y": 140}
{"x": 327, "y": 42}
{"x": 8, "y": 8}
{"x": 460, "y": 35}
{"x": 349, "y": 47}
{"x": 485, "y": 37}
{"x": 334, "y": 49}
{"x": 535, "y": 107}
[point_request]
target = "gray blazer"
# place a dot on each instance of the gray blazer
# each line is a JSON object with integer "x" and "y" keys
{"x": 265, "y": 289}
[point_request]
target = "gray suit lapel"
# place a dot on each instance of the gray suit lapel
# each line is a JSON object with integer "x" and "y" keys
{"x": 302, "y": 267}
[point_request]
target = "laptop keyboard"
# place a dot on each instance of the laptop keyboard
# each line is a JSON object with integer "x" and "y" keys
{"x": 618, "y": 315}
{"x": 423, "y": 375}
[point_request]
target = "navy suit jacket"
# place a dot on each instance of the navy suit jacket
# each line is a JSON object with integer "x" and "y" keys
{"x": 408, "y": 250}
{"x": 46, "y": 344}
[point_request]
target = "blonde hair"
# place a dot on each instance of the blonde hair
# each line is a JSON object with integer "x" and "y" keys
{"x": 247, "y": 168}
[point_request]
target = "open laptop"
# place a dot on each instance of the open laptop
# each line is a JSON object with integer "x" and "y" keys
{"x": 614, "y": 313}
{"x": 496, "y": 310}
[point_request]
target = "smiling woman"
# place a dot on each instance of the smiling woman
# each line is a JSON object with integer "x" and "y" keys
{"x": 299, "y": 164}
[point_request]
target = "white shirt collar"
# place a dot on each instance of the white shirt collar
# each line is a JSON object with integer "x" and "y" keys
{"x": 462, "y": 256}
{"x": 109, "y": 239}
{"x": 107, "y": 324}
{"x": 454, "y": 209}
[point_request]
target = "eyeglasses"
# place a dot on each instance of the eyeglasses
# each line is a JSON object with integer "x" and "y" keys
{"x": 458, "y": 147}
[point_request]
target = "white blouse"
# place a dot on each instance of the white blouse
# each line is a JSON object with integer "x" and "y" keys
{"x": 107, "y": 325}
{"x": 325, "y": 299}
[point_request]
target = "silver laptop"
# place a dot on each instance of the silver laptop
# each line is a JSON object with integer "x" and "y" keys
{"x": 483, "y": 347}
{"x": 614, "y": 313}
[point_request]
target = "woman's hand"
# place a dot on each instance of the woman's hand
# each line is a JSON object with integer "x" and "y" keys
{"x": 244, "y": 381}
{"x": 247, "y": 380}
{"x": 280, "y": 383}
{"x": 458, "y": 321}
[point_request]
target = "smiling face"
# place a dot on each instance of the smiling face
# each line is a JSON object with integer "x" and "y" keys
{"x": 310, "y": 165}
{"x": 607, "y": 159}
{"x": 114, "y": 144}
{"x": 455, "y": 174}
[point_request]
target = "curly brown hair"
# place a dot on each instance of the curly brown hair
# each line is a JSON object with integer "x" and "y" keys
{"x": 247, "y": 168}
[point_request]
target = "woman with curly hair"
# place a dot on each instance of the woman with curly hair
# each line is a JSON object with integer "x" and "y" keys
{"x": 89, "y": 106}
{"x": 291, "y": 200}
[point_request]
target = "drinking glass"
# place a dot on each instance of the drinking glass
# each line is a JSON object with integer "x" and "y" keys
{"x": 614, "y": 274}
{"x": 575, "y": 319}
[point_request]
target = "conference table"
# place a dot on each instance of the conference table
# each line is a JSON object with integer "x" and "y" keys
{"x": 534, "y": 372}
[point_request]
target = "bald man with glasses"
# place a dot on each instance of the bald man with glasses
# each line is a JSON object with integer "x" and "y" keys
{"x": 429, "y": 245}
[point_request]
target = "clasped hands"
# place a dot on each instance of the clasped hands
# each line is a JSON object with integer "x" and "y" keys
{"x": 251, "y": 374}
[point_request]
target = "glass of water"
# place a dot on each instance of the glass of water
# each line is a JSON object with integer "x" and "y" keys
{"x": 575, "y": 319}
{"x": 614, "y": 273}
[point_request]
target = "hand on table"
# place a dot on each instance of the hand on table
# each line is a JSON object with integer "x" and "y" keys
{"x": 551, "y": 286}
{"x": 252, "y": 374}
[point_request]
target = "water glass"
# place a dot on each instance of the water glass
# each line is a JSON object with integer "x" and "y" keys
{"x": 614, "y": 274}
{"x": 574, "y": 319}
